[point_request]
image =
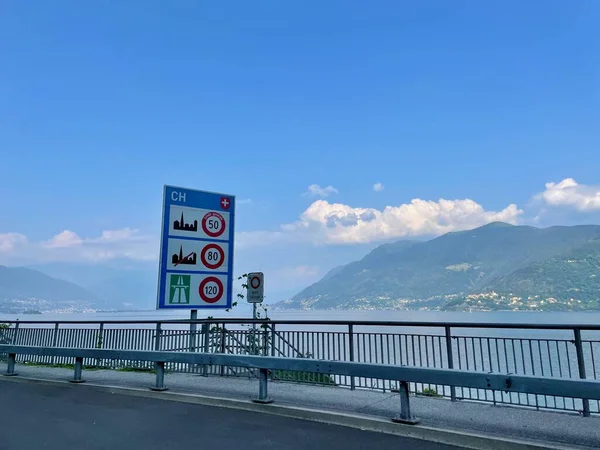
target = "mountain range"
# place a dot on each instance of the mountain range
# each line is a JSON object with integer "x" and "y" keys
{"x": 72, "y": 287}
{"x": 494, "y": 267}
{"x": 26, "y": 290}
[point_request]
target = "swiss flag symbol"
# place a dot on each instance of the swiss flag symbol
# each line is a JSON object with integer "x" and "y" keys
{"x": 225, "y": 203}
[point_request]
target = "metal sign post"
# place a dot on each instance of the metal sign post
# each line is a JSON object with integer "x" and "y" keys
{"x": 255, "y": 295}
{"x": 193, "y": 329}
{"x": 196, "y": 252}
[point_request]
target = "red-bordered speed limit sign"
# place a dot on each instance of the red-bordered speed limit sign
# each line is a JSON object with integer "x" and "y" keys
{"x": 213, "y": 224}
{"x": 212, "y": 256}
{"x": 211, "y": 290}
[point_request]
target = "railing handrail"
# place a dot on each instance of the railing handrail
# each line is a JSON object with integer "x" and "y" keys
{"x": 510, "y": 383}
{"x": 242, "y": 321}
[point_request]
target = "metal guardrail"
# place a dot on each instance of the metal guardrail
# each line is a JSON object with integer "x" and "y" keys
{"x": 565, "y": 351}
{"x": 403, "y": 374}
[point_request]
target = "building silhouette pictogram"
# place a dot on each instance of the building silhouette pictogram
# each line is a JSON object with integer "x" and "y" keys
{"x": 182, "y": 226}
{"x": 189, "y": 259}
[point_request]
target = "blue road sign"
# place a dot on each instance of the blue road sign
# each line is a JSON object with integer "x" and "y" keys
{"x": 196, "y": 250}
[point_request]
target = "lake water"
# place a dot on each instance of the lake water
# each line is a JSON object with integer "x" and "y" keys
{"x": 582, "y": 318}
{"x": 591, "y": 318}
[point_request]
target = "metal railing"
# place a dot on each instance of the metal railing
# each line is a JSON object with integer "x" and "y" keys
{"x": 403, "y": 375}
{"x": 547, "y": 350}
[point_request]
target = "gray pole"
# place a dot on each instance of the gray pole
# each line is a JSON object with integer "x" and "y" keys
{"x": 450, "y": 356}
{"x": 254, "y": 311}
{"x": 581, "y": 367}
{"x": 193, "y": 316}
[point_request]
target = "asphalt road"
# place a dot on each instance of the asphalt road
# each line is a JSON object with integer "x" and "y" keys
{"x": 39, "y": 416}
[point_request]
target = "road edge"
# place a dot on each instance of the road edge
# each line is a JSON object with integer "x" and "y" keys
{"x": 363, "y": 422}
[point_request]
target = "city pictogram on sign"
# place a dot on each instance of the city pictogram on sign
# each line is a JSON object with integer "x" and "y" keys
{"x": 180, "y": 258}
{"x": 181, "y": 225}
{"x": 196, "y": 253}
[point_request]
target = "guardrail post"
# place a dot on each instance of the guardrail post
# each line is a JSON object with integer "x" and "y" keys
{"x": 263, "y": 393}
{"x": 581, "y": 366}
{"x": 450, "y": 356}
{"x": 10, "y": 367}
{"x": 78, "y": 369}
{"x": 160, "y": 377}
{"x": 351, "y": 346}
{"x": 405, "y": 414}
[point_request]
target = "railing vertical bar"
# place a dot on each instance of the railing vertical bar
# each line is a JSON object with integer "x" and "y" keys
{"x": 54, "y": 338}
{"x": 593, "y": 360}
{"x": 523, "y": 357}
{"x": 273, "y": 339}
{"x": 539, "y": 345}
{"x": 498, "y": 364}
{"x": 568, "y": 360}
{"x": 491, "y": 368}
{"x": 514, "y": 353}
{"x": 551, "y": 366}
{"x": 395, "y": 350}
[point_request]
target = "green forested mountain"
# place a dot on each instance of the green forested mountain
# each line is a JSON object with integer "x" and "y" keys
{"x": 497, "y": 266}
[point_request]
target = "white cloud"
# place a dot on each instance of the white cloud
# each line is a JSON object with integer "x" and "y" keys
{"x": 571, "y": 194}
{"x": 338, "y": 223}
{"x": 315, "y": 190}
{"x": 10, "y": 241}
{"x": 378, "y": 187}
{"x": 68, "y": 246}
{"x": 124, "y": 234}
{"x": 63, "y": 239}
{"x": 323, "y": 222}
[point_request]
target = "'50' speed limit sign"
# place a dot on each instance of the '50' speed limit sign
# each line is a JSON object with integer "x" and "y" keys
{"x": 213, "y": 224}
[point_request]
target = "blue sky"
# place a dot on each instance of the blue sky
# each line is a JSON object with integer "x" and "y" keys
{"x": 102, "y": 104}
